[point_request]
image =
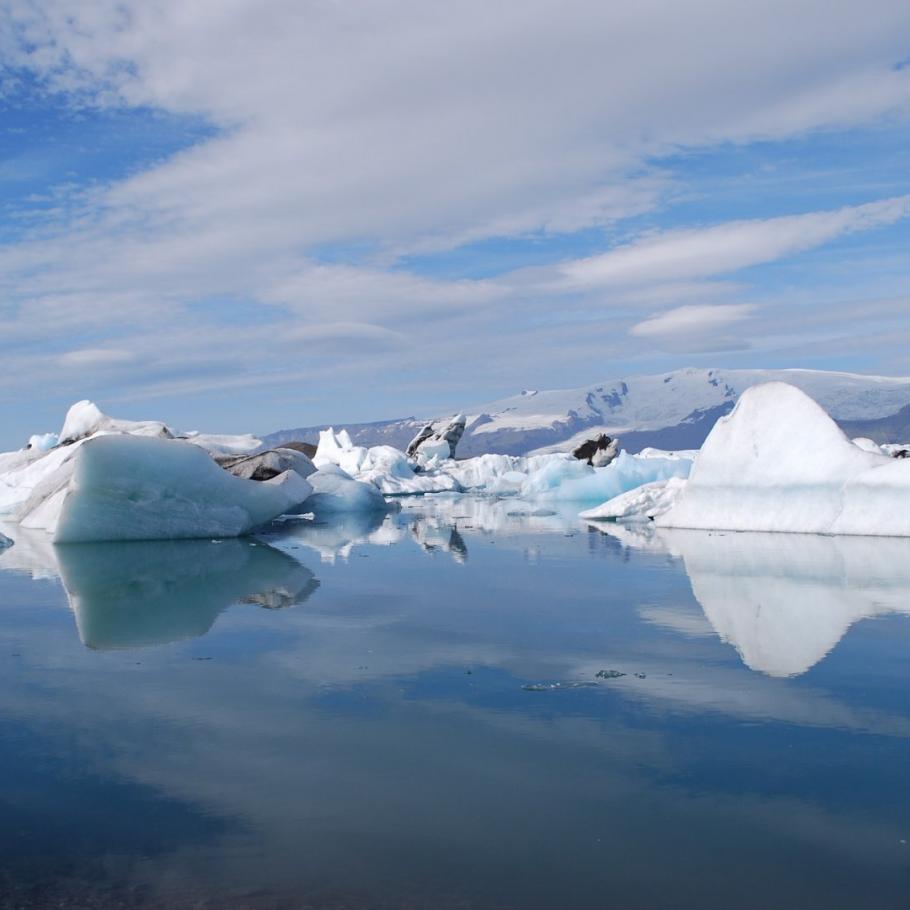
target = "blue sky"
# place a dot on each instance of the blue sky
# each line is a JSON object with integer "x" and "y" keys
{"x": 236, "y": 216}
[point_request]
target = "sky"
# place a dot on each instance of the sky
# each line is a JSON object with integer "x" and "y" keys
{"x": 237, "y": 216}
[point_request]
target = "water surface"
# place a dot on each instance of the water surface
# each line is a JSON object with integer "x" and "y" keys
{"x": 470, "y": 704}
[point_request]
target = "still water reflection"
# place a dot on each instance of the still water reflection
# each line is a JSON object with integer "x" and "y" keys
{"x": 472, "y": 703}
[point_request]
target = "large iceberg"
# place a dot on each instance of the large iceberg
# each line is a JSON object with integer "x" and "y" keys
{"x": 130, "y": 488}
{"x": 129, "y": 480}
{"x": 778, "y": 462}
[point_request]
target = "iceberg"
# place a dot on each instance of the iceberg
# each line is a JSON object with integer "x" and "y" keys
{"x": 574, "y": 481}
{"x": 385, "y": 467}
{"x": 133, "y": 488}
{"x": 43, "y": 442}
{"x": 778, "y": 462}
{"x": 109, "y": 479}
{"x": 129, "y": 488}
{"x": 562, "y": 478}
{"x": 334, "y": 490}
{"x": 429, "y": 447}
{"x": 643, "y": 503}
{"x": 554, "y": 477}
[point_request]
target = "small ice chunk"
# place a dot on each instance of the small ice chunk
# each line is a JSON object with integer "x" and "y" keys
{"x": 42, "y": 442}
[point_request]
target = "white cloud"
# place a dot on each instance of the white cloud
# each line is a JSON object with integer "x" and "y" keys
{"x": 692, "y": 320}
{"x": 404, "y": 121}
{"x": 724, "y": 248}
{"x": 92, "y": 357}
{"x": 359, "y": 134}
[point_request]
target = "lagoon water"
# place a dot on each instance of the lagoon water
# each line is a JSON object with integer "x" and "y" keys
{"x": 469, "y": 704}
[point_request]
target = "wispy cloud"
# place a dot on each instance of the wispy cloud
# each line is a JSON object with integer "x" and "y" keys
{"x": 725, "y": 248}
{"x": 692, "y": 320}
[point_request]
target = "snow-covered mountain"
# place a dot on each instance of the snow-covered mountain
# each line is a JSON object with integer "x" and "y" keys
{"x": 670, "y": 410}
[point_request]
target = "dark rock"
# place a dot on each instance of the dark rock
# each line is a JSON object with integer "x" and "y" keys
{"x": 307, "y": 448}
{"x": 451, "y": 434}
{"x": 266, "y": 465}
{"x": 415, "y": 443}
{"x": 597, "y": 452}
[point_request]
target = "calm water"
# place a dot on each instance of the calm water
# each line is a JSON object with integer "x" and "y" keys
{"x": 408, "y": 714}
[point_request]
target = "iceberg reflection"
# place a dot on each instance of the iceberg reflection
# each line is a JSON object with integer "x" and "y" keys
{"x": 785, "y": 600}
{"x": 130, "y": 595}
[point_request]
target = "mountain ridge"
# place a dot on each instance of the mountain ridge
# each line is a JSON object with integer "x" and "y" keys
{"x": 671, "y": 410}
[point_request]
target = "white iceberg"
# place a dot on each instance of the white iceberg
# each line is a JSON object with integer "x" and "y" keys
{"x": 334, "y": 490}
{"x": 778, "y": 462}
{"x": 562, "y": 478}
{"x": 111, "y": 479}
{"x": 43, "y": 442}
{"x": 130, "y": 488}
{"x": 552, "y": 477}
{"x": 574, "y": 481}
{"x": 385, "y": 467}
{"x": 644, "y": 503}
